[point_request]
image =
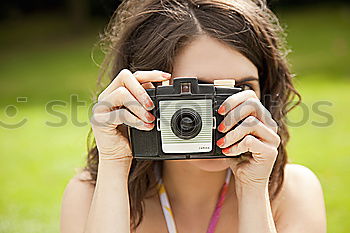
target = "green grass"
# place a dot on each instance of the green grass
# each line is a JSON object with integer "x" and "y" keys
{"x": 37, "y": 160}
{"x": 320, "y": 40}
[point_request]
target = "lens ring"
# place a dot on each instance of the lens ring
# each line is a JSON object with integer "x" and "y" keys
{"x": 186, "y": 123}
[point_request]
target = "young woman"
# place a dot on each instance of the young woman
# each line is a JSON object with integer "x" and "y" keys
{"x": 156, "y": 40}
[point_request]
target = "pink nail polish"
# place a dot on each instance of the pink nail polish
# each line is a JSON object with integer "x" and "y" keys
{"x": 149, "y": 125}
{"x": 149, "y": 104}
{"x": 220, "y": 142}
{"x": 166, "y": 75}
{"x": 226, "y": 150}
{"x": 221, "y": 110}
{"x": 150, "y": 116}
{"x": 221, "y": 127}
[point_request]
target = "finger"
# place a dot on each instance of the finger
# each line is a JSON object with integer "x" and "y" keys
{"x": 118, "y": 117}
{"x": 253, "y": 126}
{"x": 251, "y": 106}
{"x": 144, "y": 76}
{"x": 148, "y": 85}
{"x": 141, "y": 76}
{"x": 132, "y": 81}
{"x": 250, "y": 143}
{"x": 236, "y": 99}
{"x": 122, "y": 97}
{"x": 135, "y": 88}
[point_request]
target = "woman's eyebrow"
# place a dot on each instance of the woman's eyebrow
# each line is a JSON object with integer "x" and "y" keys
{"x": 241, "y": 80}
{"x": 247, "y": 79}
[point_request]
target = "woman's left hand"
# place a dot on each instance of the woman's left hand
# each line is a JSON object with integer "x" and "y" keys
{"x": 257, "y": 134}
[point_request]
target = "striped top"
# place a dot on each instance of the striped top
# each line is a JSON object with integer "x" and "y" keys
{"x": 168, "y": 214}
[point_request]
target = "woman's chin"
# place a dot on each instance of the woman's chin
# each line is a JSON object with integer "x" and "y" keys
{"x": 211, "y": 165}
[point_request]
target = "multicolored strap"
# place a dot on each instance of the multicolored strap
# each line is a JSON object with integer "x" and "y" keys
{"x": 216, "y": 214}
{"x": 168, "y": 214}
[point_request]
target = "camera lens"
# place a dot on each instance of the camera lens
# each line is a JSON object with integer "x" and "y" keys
{"x": 186, "y": 123}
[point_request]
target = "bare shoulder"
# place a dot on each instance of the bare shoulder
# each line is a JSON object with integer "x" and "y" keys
{"x": 80, "y": 185}
{"x": 299, "y": 176}
{"x": 76, "y": 202}
{"x": 301, "y": 204}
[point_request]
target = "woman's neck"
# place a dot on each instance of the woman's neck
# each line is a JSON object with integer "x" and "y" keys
{"x": 191, "y": 187}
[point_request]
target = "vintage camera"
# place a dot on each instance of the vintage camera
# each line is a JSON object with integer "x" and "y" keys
{"x": 186, "y": 121}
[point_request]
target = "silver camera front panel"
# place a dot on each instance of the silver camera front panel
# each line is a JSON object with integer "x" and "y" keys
{"x": 200, "y": 143}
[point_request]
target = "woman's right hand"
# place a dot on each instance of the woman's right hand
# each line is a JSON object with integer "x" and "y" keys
{"x": 124, "y": 101}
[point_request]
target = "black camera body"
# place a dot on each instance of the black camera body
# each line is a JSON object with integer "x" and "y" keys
{"x": 186, "y": 122}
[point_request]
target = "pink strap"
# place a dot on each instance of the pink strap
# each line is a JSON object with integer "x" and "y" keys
{"x": 216, "y": 214}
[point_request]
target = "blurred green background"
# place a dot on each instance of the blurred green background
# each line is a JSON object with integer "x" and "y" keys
{"x": 44, "y": 59}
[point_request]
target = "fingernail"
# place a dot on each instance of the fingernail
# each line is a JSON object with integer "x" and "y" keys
{"x": 150, "y": 116}
{"x": 147, "y": 102}
{"x": 166, "y": 75}
{"x": 221, "y": 110}
{"x": 149, "y": 105}
{"x": 221, "y": 127}
{"x": 226, "y": 150}
{"x": 220, "y": 142}
{"x": 149, "y": 125}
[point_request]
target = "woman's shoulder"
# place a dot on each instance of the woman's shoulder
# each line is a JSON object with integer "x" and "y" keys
{"x": 299, "y": 179}
{"x": 300, "y": 183}
{"x": 301, "y": 197}
{"x": 299, "y": 176}
{"x": 81, "y": 178}
{"x": 76, "y": 202}
{"x": 80, "y": 184}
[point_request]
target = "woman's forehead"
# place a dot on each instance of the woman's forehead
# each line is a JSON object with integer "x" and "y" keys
{"x": 208, "y": 59}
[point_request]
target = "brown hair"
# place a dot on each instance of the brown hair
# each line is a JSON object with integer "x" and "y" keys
{"x": 146, "y": 35}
